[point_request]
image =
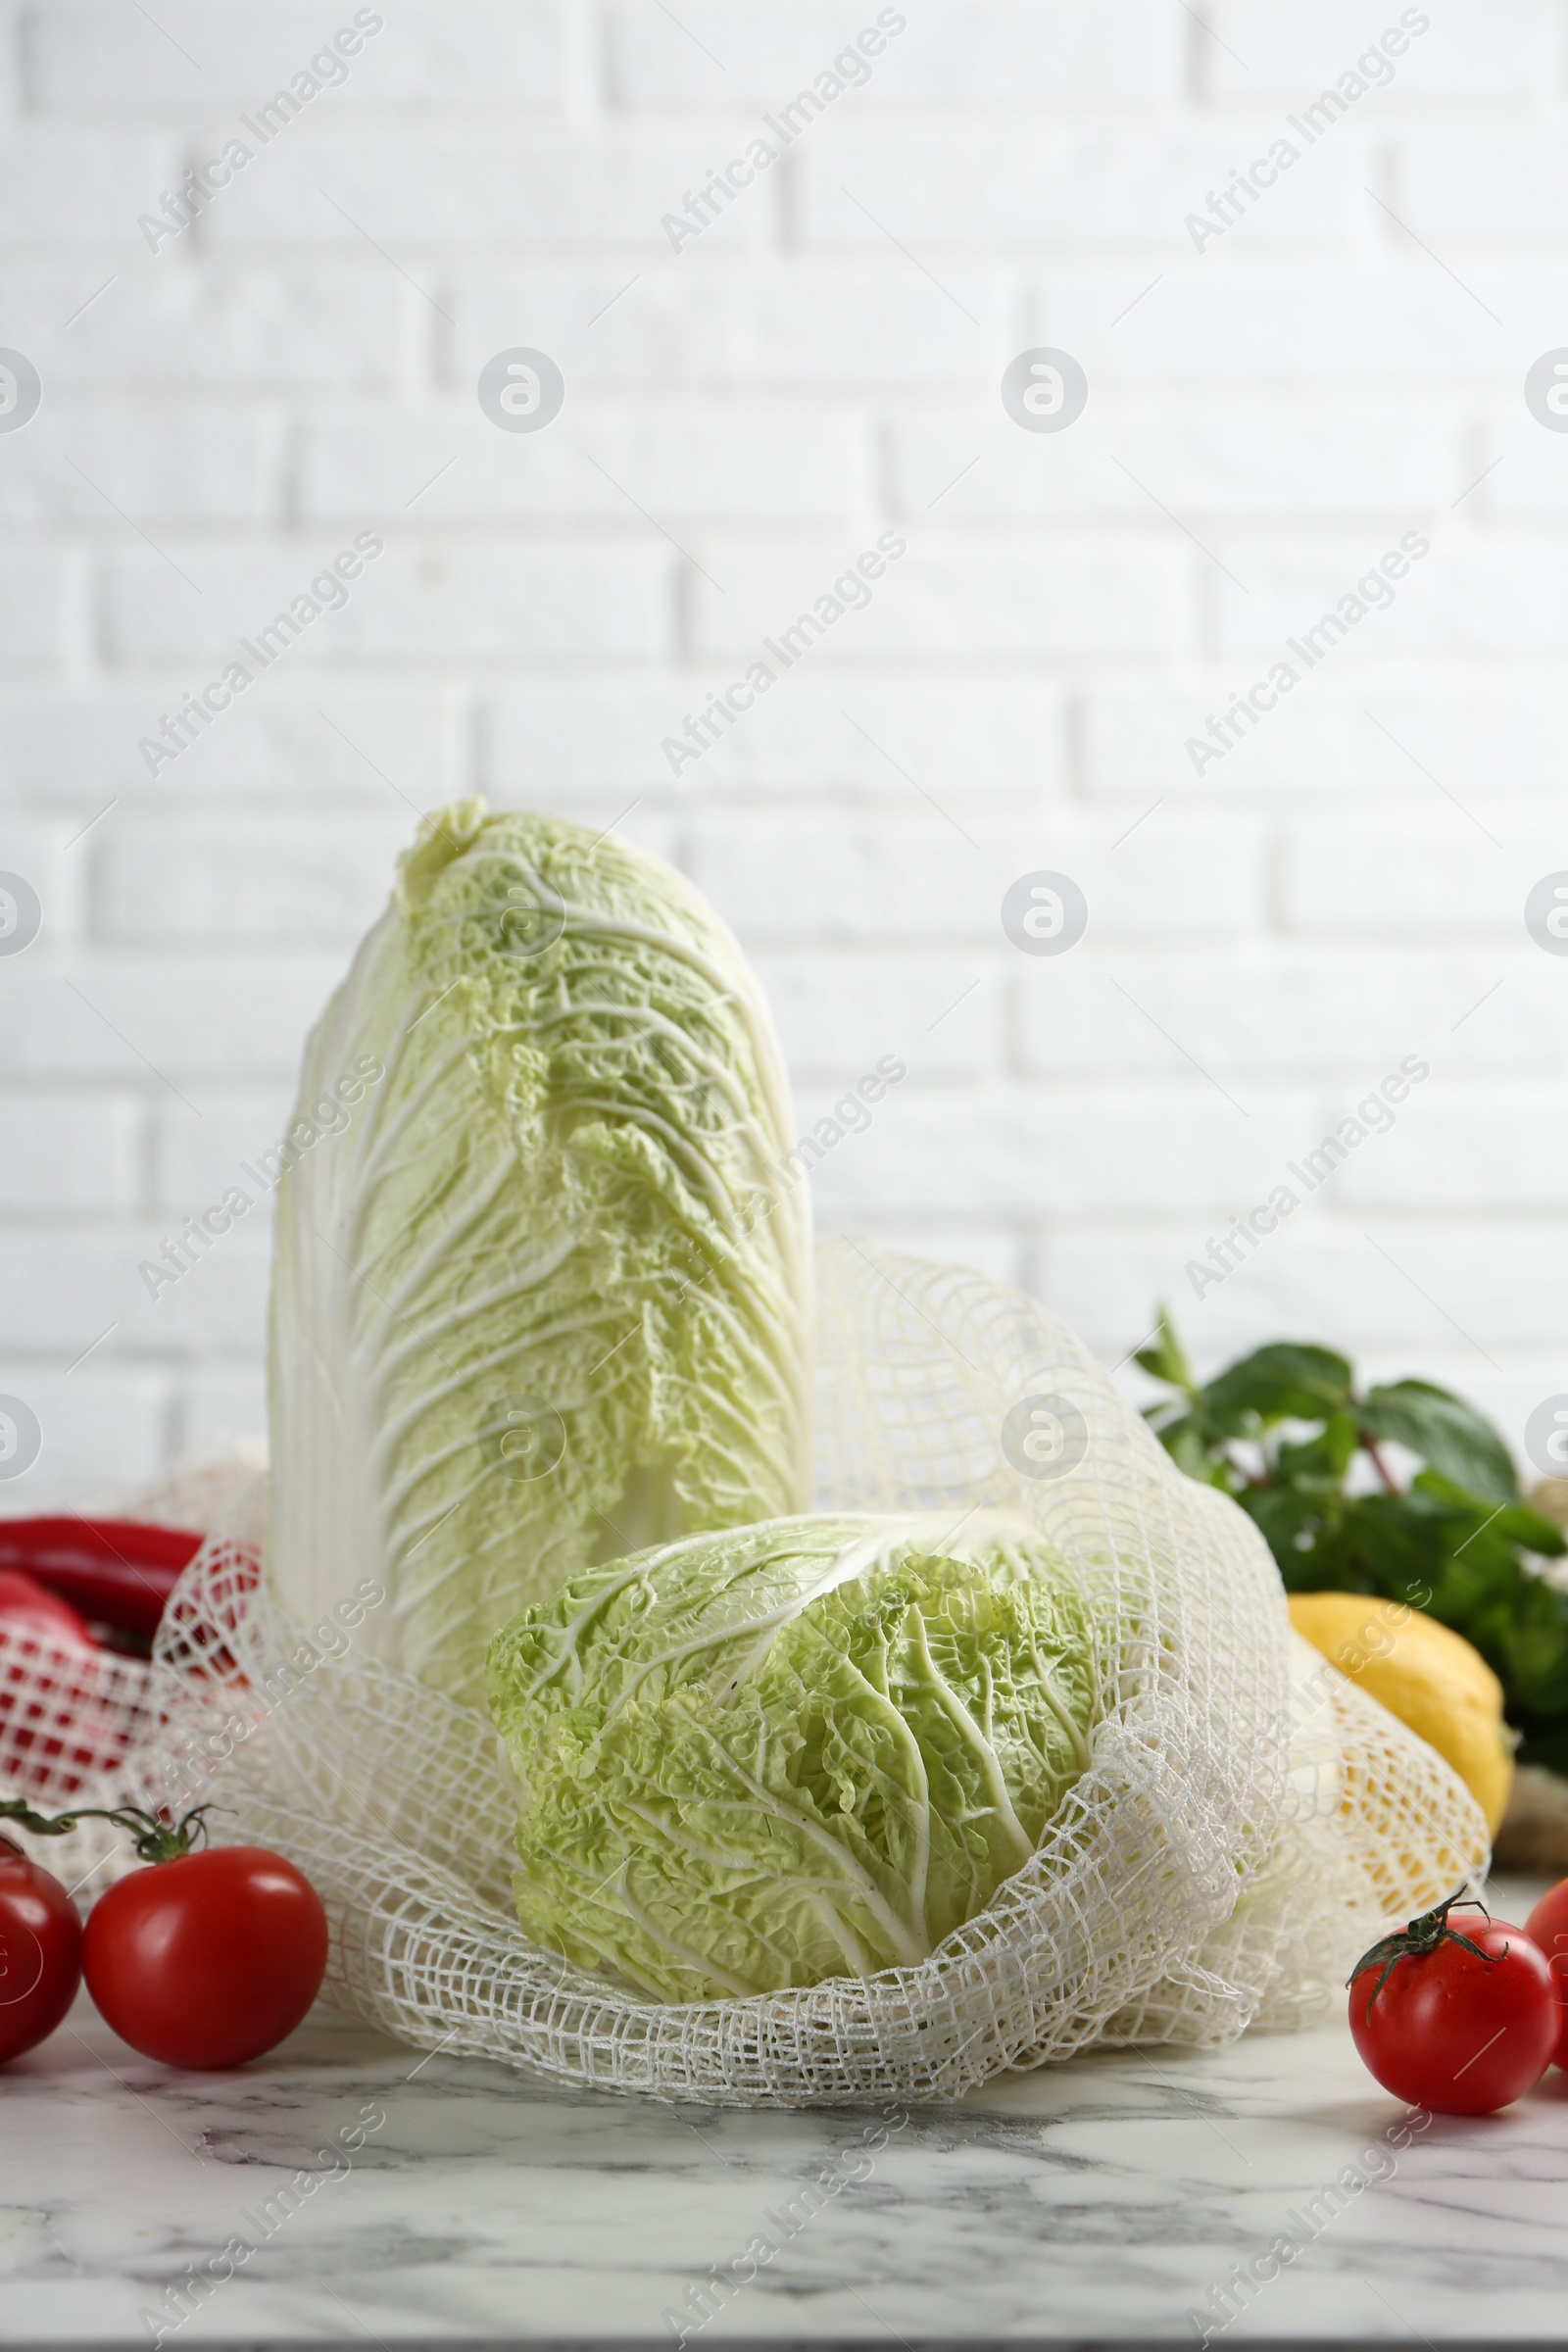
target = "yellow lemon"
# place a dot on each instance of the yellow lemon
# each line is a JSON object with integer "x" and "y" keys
{"x": 1426, "y": 1675}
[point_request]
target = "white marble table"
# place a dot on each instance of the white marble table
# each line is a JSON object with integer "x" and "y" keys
{"x": 1098, "y": 2203}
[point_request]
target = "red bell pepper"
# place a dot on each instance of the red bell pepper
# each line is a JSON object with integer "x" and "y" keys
{"x": 117, "y": 1572}
{"x": 82, "y": 1585}
{"x": 26, "y": 1603}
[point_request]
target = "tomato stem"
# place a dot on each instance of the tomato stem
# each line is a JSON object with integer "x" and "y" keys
{"x": 1421, "y": 1936}
{"x": 158, "y": 1838}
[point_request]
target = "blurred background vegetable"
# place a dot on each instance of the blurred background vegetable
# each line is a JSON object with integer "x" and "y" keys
{"x": 1429, "y": 1675}
{"x": 1402, "y": 1491}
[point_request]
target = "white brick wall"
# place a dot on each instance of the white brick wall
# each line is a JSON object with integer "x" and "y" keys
{"x": 1266, "y": 416}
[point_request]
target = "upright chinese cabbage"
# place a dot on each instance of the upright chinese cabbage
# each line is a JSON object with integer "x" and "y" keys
{"x": 756, "y": 1759}
{"x": 543, "y": 1298}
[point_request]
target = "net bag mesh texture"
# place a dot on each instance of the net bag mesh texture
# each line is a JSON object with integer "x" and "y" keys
{"x": 76, "y": 1728}
{"x": 1247, "y": 1823}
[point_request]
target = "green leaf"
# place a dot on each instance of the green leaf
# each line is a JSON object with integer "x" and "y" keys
{"x": 1288, "y": 1381}
{"x": 1510, "y": 1523}
{"x": 1521, "y": 1525}
{"x": 1292, "y": 1523}
{"x": 1166, "y": 1359}
{"x": 1190, "y": 1453}
{"x": 1321, "y": 1461}
{"x": 1185, "y": 1437}
{"x": 1454, "y": 1542}
{"x": 1446, "y": 1432}
{"x": 1379, "y": 1543}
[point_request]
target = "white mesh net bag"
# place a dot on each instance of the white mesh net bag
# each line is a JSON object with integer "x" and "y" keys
{"x": 76, "y": 1726}
{"x": 1247, "y": 1820}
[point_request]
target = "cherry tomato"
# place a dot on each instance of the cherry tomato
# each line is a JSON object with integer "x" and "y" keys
{"x": 1458, "y": 2030}
{"x": 40, "y": 1952}
{"x": 208, "y": 1959}
{"x": 1548, "y": 1925}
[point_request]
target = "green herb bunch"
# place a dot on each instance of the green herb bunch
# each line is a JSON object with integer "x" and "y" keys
{"x": 1286, "y": 1433}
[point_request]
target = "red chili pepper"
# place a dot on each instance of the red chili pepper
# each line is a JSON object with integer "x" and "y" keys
{"x": 118, "y": 1572}
{"x": 26, "y": 1603}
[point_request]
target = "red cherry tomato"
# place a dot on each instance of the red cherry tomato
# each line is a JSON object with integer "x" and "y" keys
{"x": 40, "y": 1952}
{"x": 207, "y": 1960}
{"x": 1548, "y": 1926}
{"x": 1458, "y": 2030}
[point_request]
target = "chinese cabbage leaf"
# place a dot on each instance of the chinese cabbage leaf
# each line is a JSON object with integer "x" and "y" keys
{"x": 541, "y": 1297}
{"x": 757, "y": 1759}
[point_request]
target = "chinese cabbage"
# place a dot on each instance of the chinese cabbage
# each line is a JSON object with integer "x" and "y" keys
{"x": 542, "y": 1298}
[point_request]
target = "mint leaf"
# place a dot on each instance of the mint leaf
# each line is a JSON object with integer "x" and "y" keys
{"x": 1166, "y": 1359}
{"x": 1449, "y": 1435}
{"x": 1290, "y": 1381}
